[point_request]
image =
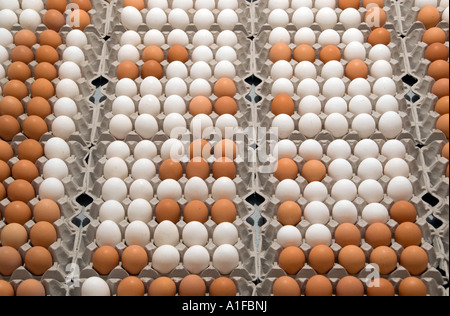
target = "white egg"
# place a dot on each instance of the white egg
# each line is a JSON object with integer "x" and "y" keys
{"x": 337, "y": 125}
{"x": 151, "y": 86}
{"x": 393, "y": 149}
{"x": 315, "y": 191}
{"x": 166, "y": 233}
{"x": 6, "y": 38}
{"x": 205, "y": 4}
{"x": 355, "y": 50}
{"x": 203, "y": 19}
{"x": 317, "y": 212}
{"x": 169, "y": 189}
{"x": 278, "y": 18}
{"x": 375, "y": 213}
{"x": 305, "y": 35}
{"x": 227, "y": 19}
{"x": 149, "y": 104}
{"x": 195, "y": 233}
{"x": 114, "y": 189}
{"x": 283, "y": 86}
{"x": 287, "y": 190}
{"x": 174, "y": 104}
{"x": 52, "y": 189}
{"x": 396, "y": 167}
{"x": 140, "y": 210}
{"x": 172, "y": 149}
{"x": 130, "y": 37}
{"x": 115, "y": 168}
{"x": 278, "y": 4}
{"x": 344, "y": 190}
{"x": 4, "y": 55}
{"x": 285, "y": 149}
{"x": 310, "y": 104}
{"x": 329, "y": 37}
{"x": 308, "y": 87}
{"x": 366, "y": 148}
{"x": 336, "y": 105}
{"x": 339, "y": 149}
{"x": 380, "y": 52}
{"x": 165, "y": 259}
{"x": 225, "y": 233}
{"x": 156, "y": 18}
{"x": 282, "y": 69}
{"x": 226, "y": 38}
{"x": 227, "y": 4}
{"x": 223, "y": 188}
{"x": 111, "y": 211}
{"x": 29, "y": 19}
{"x": 371, "y": 191}
{"x": 303, "y": 17}
{"x": 55, "y": 168}
{"x": 333, "y": 87}
{"x": 352, "y": 35}
{"x": 350, "y": 18}
{"x": 95, "y": 286}
{"x": 390, "y": 124}
{"x": 300, "y": 3}
{"x": 108, "y": 234}
{"x": 120, "y": 126}
{"x": 131, "y": 18}
{"x": 370, "y": 168}
{"x": 345, "y": 211}
{"x": 326, "y": 18}
{"x": 174, "y": 125}
{"x": 201, "y": 125}
{"x": 145, "y": 149}
{"x": 143, "y": 169}
{"x": 8, "y": 19}
{"x": 340, "y": 169}
{"x": 177, "y": 69}
{"x": 76, "y": 38}
{"x": 178, "y": 19}
{"x": 137, "y": 233}
{"x": 226, "y": 53}
{"x": 177, "y": 37}
{"x": 123, "y": 105}
{"x": 310, "y": 150}
{"x": 318, "y": 234}
{"x": 203, "y": 37}
{"x": 63, "y": 127}
{"x": 196, "y": 259}
{"x": 154, "y": 37}
{"x": 444, "y": 3}
{"x": 387, "y": 103}
{"x": 400, "y": 189}
{"x": 128, "y": 53}
{"x": 305, "y": 69}
{"x": 289, "y": 236}
{"x": 446, "y": 15}
{"x": 118, "y": 149}
{"x": 36, "y": 5}
{"x": 196, "y": 189}
{"x": 223, "y": 69}
{"x": 227, "y": 124}
{"x": 283, "y": 126}
{"x": 384, "y": 86}
{"x": 381, "y": 68}
{"x": 162, "y": 4}
{"x": 56, "y": 147}
{"x": 201, "y": 70}
{"x": 67, "y": 88}
{"x": 176, "y": 86}
{"x": 359, "y": 86}
{"x": 310, "y": 125}
{"x": 331, "y": 69}
{"x": 73, "y": 54}
{"x": 360, "y": 104}
{"x": 141, "y": 189}
{"x": 364, "y": 125}
{"x": 279, "y": 35}
{"x": 225, "y": 259}
{"x": 146, "y": 126}
{"x": 126, "y": 87}
{"x": 200, "y": 87}
{"x": 424, "y": 3}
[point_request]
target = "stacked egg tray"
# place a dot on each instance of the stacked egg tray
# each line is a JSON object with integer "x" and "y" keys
{"x": 57, "y": 279}
{"x": 430, "y": 139}
{"x": 433, "y": 241}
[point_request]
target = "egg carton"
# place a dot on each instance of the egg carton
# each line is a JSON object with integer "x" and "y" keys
{"x": 407, "y": 16}
{"x": 435, "y": 166}
{"x": 243, "y": 12}
{"x": 261, "y": 14}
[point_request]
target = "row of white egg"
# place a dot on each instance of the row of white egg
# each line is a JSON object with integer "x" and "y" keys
{"x": 191, "y": 4}
{"x": 28, "y": 19}
{"x": 296, "y": 4}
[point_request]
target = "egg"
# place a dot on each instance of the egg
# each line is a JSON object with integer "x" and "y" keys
{"x": 196, "y": 189}
{"x": 436, "y": 51}
{"x": 38, "y": 260}
{"x": 137, "y": 233}
{"x": 380, "y": 287}
{"x": 30, "y": 287}
{"x": 291, "y": 260}
{"x": 414, "y": 259}
{"x": 105, "y": 259}
{"x": 165, "y": 259}
{"x": 344, "y": 212}
{"x": 167, "y": 210}
{"x": 441, "y": 87}
{"x": 321, "y": 258}
{"x": 352, "y": 258}
{"x": 8, "y": 18}
{"x": 10, "y": 260}
{"x": 6, "y": 151}
{"x": 286, "y": 286}
{"x": 223, "y": 211}
{"x": 442, "y": 124}
{"x": 16, "y": 89}
{"x": 196, "y": 259}
{"x": 10, "y": 106}
{"x": 429, "y": 16}
{"x": 319, "y": 285}
{"x": 347, "y": 234}
{"x": 408, "y": 234}
{"x": 134, "y": 259}
{"x": 349, "y": 286}
{"x": 195, "y": 211}
{"x": 195, "y": 233}
{"x": 412, "y": 286}
{"x": 95, "y": 286}
{"x": 225, "y": 259}
{"x": 21, "y": 190}
{"x": 378, "y": 234}
{"x": 131, "y": 286}
{"x": 162, "y": 286}
{"x": 197, "y": 167}
{"x": 131, "y": 18}
{"x": 54, "y": 20}
{"x": 43, "y": 234}
{"x": 14, "y": 235}
{"x": 434, "y": 35}
{"x": 385, "y": 258}
{"x": 192, "y": 285}
{"x": 6, "y": 289}
{"x": 30, "y": 149}
{"x": 442, "y": 106}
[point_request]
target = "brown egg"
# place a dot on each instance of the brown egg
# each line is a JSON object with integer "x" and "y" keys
{"x": 105, "y": 259}
{"x": 43, "y": 234}
{"x": 134, "y": 259}
{"x": 408, "y": 234}
{"x": 289, "y": 213}
{"x": 223, "y": 286}
{"x": 378, "y": 234}
{"x": 11, "y": 106}
{"x": 286, "y": 168}
{"x": 285, "y": 286}
{"x": 438, "y": 69}
{"x": 226, "y": 148}
{"x": 22, "y": 53}
{"x": 19, "y": 71}
{"x": 6, "y": 289}
{"x": 352, "y": 258}
{"x": 349, "y": 286}
{"x": 321, "y": 258}
{"x": 314, "y": 170}
{"x": 2, "y": 193}
{"x": 152, "y": 68}
{"x": 291, "y": 260}
{"x": 192, "y": 285}
{"x": 177, "y": 53}
{"x": 9, "y": 127}
{"x": 195, "y": 211}
{"x": 225, "y": 87}
{"x": 38, "y": 260}
{"x": 224, "y": 167}
{"x": 30, "y": 149}
{"x": 167, "y": 210}
{"x": 79, "y": 19}
{"x": 31, "y": 288}
{"x": 200, "y": 148}
{"x": 25, "y": 170}
{"x": 26, "y": 38}
{"x": 436, "y": 51}
{"x": 223, "y": 211}
{"x": 380, "y": 3}
{"x": 39, "y": 106}
{"x": 347, "y": 234}
{"x": 379, "y": 36}
{"x": 47, "y": 54}
{"x": 434, "y": 35}
{"x": 197, "y": 167}
{"x": 153, "y": 52}
{"x": 200, "y": 105}
{"x": 226, "y": 105}
{"x": 403, "y": 211}
{"x": 445, "y": 151}
{"x": 5, "y": 171}
{"x": 441, "y": 88}
{"x": 412, "y": 286}
{"x": 385, "y": 258}
{"x": 280, "y": 51}
{"x": 319, "y": 285}
{"x": 14, "y": 235}
{"x": 356, "y": 69}
{"x": 45, "y": 70}
{"x": 429, "y": 16}
{"x": 34, "y": 127}
{"x": 442, "y": 106}
{"x": 6, "y": 152}
{"x": 304, "y": 52}
{"x": 131, "y": 286}
{"x": 46, "y": 211}
{"x": 447, "y": 171}
{"x": 283, "y": 104}
{"x": 171, "y": 169}
{"x": 10, "y": 260}
{"x": 442, "y": 124}
{"x": 59, "y": 5}
{"x": 162, "y": 286}
{"x": 86, "y": 5}
{"x": 375, "y": 17}
{"x": 16, "y": 89}
{"x": 21, "y": 190}
{"x": 414, "y": 259}
{"x": 42, "y": 88}
{"x": 54, "y": 20}
{"x": 17, "y": 212}
{"x": 380, "y": 287}
{"x": 330, "y": 52}
{"x": 138, "y": 4}
{"x": 50, "y": 38}
{"x": 345, "y": 4}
